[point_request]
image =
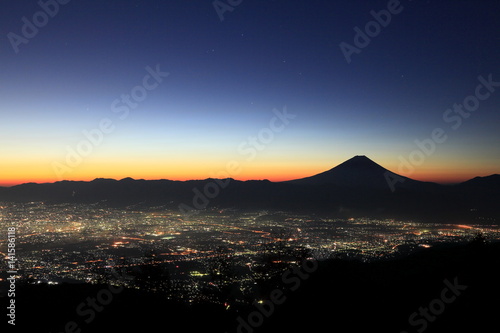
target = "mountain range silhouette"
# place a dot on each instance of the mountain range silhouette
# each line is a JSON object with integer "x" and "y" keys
{"x": 356, "y": 187}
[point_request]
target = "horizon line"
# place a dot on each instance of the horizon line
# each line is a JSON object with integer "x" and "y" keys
{"x": 437, "y": 179}
{"x": 8, "y": 185}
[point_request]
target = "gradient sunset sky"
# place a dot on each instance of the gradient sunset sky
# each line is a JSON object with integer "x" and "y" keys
{"x": 227, "y": 76}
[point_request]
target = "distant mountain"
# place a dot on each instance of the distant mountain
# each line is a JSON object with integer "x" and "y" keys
{"x": 357, "y": 187}
{"x": 487, "y": 183}
{"x": 362, "y": 173}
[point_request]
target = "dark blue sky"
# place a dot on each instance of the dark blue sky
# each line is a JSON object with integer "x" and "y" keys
{"x": 226, "y": 77}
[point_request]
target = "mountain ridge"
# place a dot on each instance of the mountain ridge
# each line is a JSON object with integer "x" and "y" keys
{"x": 356, "y": 162}
{"x": 356, "y": 187}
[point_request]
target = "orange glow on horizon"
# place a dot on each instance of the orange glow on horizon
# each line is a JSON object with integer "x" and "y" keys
{"x": 272, "y": 176}
{"x": 444, "y": 172}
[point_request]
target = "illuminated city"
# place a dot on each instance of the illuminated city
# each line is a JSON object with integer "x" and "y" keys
{"x": 237, "y": 166}
{"x": 83, "y": 243}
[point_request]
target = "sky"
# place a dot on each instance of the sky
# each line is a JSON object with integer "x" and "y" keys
{"x": 257, "y": 89}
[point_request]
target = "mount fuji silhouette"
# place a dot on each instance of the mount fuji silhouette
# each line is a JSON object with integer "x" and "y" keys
{"x": 358, "y": 186}
{"x": 362, "y": 173}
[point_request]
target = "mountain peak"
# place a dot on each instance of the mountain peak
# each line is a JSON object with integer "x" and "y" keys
{"x": 359, "y": 159}
{"x": 360, "y": 162}
{"x": 358, "y": 171}
{"x": 127, "y": 179}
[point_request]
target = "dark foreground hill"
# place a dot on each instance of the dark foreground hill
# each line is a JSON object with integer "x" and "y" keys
{"x": 450, "y": 289}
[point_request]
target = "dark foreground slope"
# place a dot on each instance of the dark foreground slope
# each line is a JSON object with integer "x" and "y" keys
{"x": 393, "y": 296}
{"x": 338, "y": 296}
